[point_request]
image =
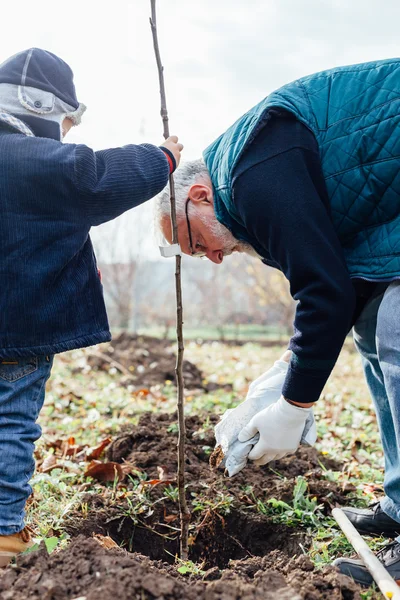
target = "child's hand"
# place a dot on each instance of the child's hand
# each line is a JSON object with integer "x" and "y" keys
{"x": 174, "y": 147}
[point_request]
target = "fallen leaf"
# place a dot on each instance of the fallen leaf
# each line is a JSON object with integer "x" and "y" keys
{"x": 105, "y": 541}
{"x": 370, "y": 488}
{"x": 142, "y": 392}
{"x": 170, "y": 518}
{"x": 96, "y": 451}
{"x": 104, "y": 471}
{"x": 48, "y": 463}
{"x": 216, "y": 457}
{"x": 165, "y": 475}
{"x": 156, "y": 482}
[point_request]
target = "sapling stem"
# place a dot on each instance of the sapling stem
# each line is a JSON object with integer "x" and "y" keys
{"x": 184, "y": 511}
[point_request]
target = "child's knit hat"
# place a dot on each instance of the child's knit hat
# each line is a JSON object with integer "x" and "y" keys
{"x": 37, "y": 87}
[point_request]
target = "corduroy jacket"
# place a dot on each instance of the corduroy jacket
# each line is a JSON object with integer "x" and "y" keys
{"x": 51, "y": 194}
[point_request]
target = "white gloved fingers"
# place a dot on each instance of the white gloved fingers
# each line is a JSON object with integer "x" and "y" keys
{"x": 266, "y": 458}
{"x": 309, "y": 436}
{"x": 259, "y": 450}
{"x": 247, "y": 432}
{"x": 282, "y": 454}
{"x": 237, "y": 456}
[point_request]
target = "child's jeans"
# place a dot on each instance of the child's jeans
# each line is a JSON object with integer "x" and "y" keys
{"x": 377, "y": 338}
{"x": 22, "y": 390}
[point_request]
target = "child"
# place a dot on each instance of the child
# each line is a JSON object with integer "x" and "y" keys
{"x": 51, "y": 297}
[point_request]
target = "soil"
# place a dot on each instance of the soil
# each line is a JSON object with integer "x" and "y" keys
{"x": 228, "y": 525}
{"x": 87, "y": 571}
{"x": 145, "y": 361}
{"x": 243, "y": 554}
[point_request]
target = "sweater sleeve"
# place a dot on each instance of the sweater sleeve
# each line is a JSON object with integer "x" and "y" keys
{"x": 110, "y": 182}
{"x": 284, "y": 211}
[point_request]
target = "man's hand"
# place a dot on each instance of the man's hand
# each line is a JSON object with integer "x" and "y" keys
{"x": 280, "y": 426}
{"x": 174, "y": 147}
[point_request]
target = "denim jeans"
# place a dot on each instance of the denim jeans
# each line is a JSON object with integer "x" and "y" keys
{"x": 22, "y": 390}
{"x": 377, "y": 338}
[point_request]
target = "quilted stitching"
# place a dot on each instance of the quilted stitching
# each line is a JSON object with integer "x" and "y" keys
{"x": 354, "y": 113}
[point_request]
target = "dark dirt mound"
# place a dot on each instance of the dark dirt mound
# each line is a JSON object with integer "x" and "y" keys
{"x": 244, "y": 555}
{"x": 144, "y": 361}
{"x": 87, "y": 570}
{"x": 152, "y": 443}
{"x": 227, "y": 522}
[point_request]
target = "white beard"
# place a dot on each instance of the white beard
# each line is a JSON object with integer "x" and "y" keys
{"x": 228, "y": 242}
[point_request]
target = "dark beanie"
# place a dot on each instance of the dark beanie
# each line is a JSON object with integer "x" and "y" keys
{"x": 42, "y": 70}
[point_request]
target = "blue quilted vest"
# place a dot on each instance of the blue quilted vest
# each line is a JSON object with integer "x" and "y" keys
{"x": 354, "y": 113}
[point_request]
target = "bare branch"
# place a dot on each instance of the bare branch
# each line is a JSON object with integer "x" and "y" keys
{"x": 184, "y": 511}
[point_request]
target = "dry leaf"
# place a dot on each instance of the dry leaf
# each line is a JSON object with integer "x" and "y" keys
{"x": 96, "y": 451}
{"x": 48, "y": 463}
{"x": 104, "y": 471}
{"x": 105, "y": 541}
{"x": 370, "y": 488}
{"x": 165, "y": 475}
{"x": 142, "y": 392}
{"x": 156, "y": 482}
{"x": 170, "y": 518}
{"x": 216, "y": 457}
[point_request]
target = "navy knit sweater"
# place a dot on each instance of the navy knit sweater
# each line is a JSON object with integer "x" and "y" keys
{"x": 280, "y": 193}
{"x": 51, "y": 194}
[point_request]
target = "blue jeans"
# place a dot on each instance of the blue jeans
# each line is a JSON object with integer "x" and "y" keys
{"x": 377, "y": 338}
{"x": 22, "y": 390}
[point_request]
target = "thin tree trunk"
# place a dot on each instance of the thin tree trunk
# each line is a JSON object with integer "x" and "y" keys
{"x": 184, "y": 511}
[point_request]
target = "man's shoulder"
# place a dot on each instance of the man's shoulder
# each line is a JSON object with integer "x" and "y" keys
{"x": 281, "y": 133}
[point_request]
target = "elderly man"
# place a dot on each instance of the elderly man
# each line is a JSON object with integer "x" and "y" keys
{"x": 309, "y": 180}
{"x": 51, "y": 194}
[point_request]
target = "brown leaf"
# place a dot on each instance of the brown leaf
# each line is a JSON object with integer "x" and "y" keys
{"x": 141, "y": 392}
{"x": 165, "y": 475}
{"x": 370, "y": 488}
{"x": 73, "y": 450}
{"x": 96, "y": 451}
{"x": 216, "y": 457}
{"x": 104, "y": 471}
{"x": 170, "y": 518}
{"x": 156, "y": 482}
{"x": 105, "y": 541}
{"x": 48, "y": 463}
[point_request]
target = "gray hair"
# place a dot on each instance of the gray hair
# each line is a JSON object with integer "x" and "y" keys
{"x": 184, "y": 177}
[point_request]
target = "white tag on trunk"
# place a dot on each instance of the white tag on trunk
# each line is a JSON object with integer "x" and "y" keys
{"x": 169, "y": 251}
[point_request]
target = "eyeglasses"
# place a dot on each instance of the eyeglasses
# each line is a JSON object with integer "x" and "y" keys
{"x": 200, "y": 253}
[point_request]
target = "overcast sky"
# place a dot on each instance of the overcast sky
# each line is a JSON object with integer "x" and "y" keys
{"x": 220, "y": 57}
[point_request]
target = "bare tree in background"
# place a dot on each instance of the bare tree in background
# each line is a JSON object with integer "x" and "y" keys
{"x": 220, "y": 296}
{"x": 272, "y": 291}
{"x": 120, "y": 260}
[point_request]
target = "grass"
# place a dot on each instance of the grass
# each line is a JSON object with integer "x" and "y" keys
{"x": 88, "y": 406}
{"x": 230, "y": 332}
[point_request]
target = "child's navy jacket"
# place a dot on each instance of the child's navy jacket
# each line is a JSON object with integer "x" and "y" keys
{"x": 51, "y": 194}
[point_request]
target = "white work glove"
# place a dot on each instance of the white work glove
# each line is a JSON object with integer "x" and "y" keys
{"x": 263, "y": 392}
{"x": 280, "y": 426}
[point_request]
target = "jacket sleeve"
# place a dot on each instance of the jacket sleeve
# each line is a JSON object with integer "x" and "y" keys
{"x": 287, "y": 216}
{"x": 110, "y": 182}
